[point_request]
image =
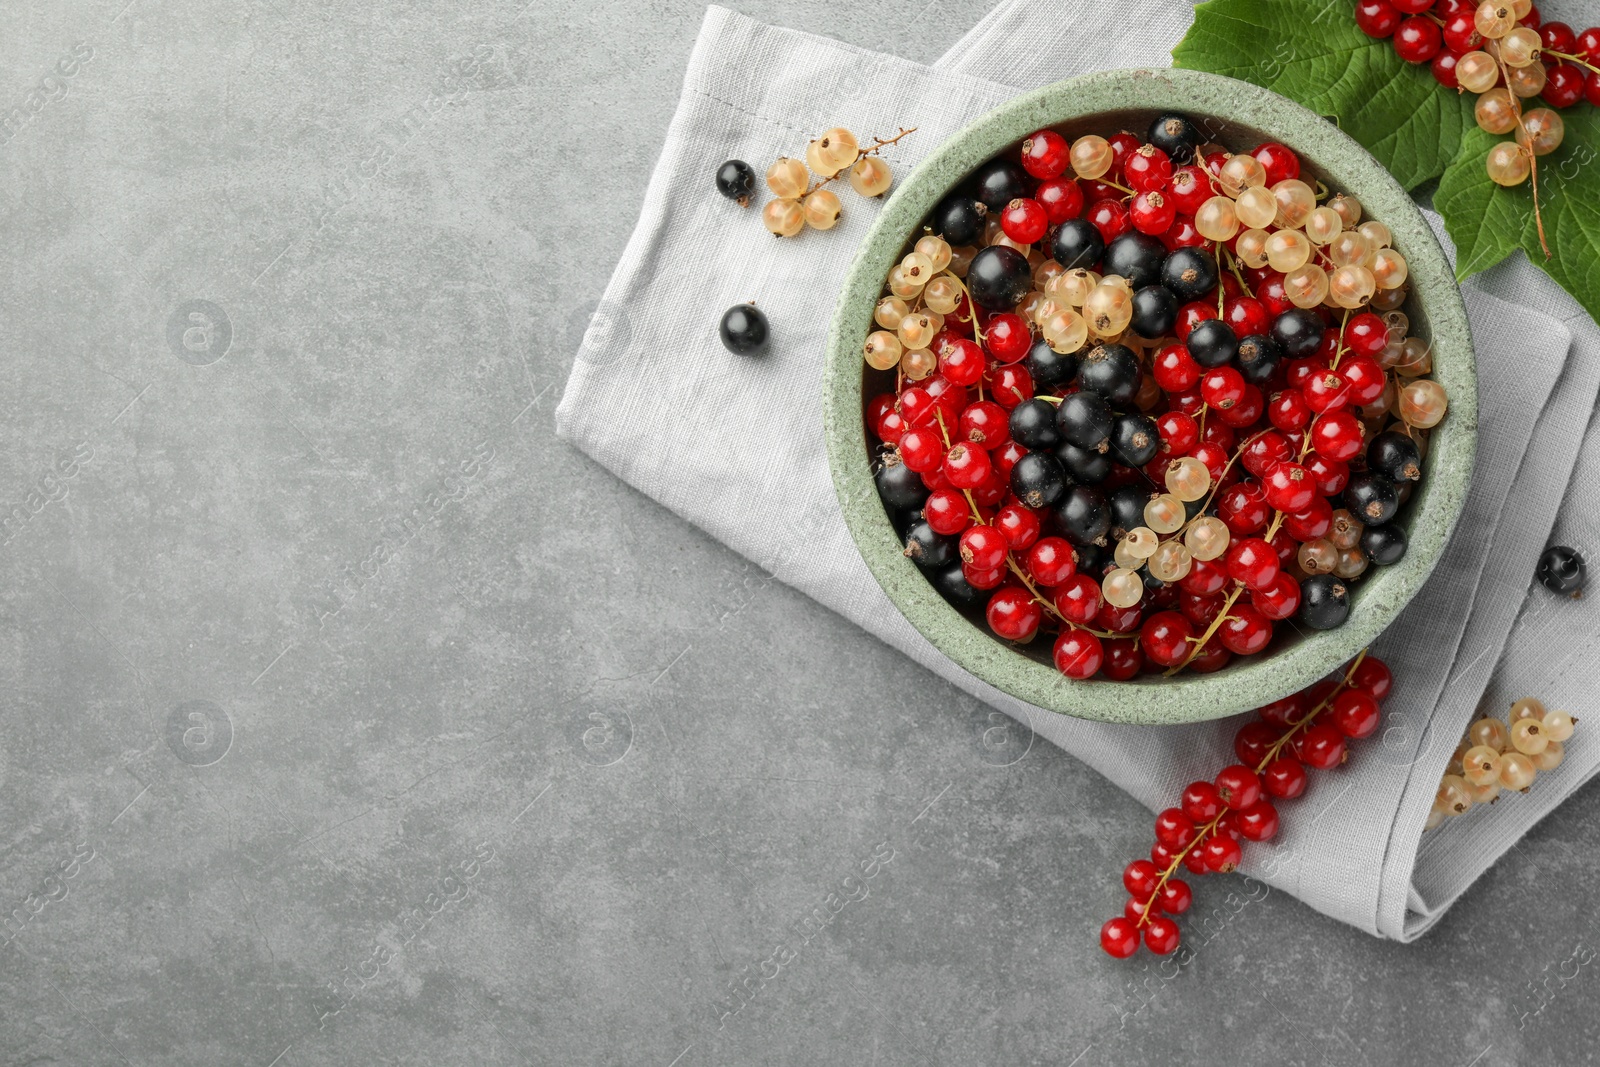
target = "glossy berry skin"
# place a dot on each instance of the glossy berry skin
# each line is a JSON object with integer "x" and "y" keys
{"x": 999, "y": 277}
{"x": 1161, "y": 935}
{"x": 1562, "y": 570}
{"x": 1038, "y": 479}
{"x": 1284, "y": 778}
{"x": 1201, "y": 802}
{"x": 1164, "y": 637}
{"x": 1085, "y": 419}
{"x": 1222, "y": 854}
{"x": 1299, "y": 332}
{"x": 1010, "y": 385}
{"x": 1190, "y": 273}
{"x": 1258, "y": 822}
{"x": 1213, "y": 343}
{"x": 1252, "y": 562}
{"x": 962, "y": 362}
{"x": 1007, "y": 337}
{"x": 1288, "y": 411}
{"x": 736, "y": 180}
{"x": 1321, "y": 747}
{"x": 959, "y": 219}
{"x": 1175, "y": 135}
{"x": 998, "y": 182}
{"x": 1108, "y": 216}
{"x": 1254, "y": 740}
{"x": 1324, "y": 602}
{"x": 1373, "y": 677}
{"x": 1243, "y": 507}
{"x": 1078, "y": 599}
{"x": 1174, "y": 369}
{"x": 1050, "y": 563}
{"x": 1024, "y": 220}
{"x": 1311, "y": 523}
{"x": 1083, "y": 465}
{"x": 1354, "y": 714}
{"x": 1418, "y": 40}
{"x": 1289, "y": 487}
{"x": 1033, "y": 425}
{"x": 1222, "y": 388}
{"x": 983, "y": 548}
{"x": 1112, "y": 371}
{"x": 1155, "y": 312}
{"x": 1364, "y": 378}
{"x": 1371, "y": 497}
{"x": 1045, "y": 154}
{"x": 1280, "y": 162}
{"x": 1153, "y": 214}
{"x": 1119, "y": 937}
{"x": 1174, "y": 897}
{"x": 1078, "y": 654}
{"x": 1013, "y": 614}
{"x": 1337, "y": 435}
{"x": 1238, "y": 787}
{"x": 1558, "y": 37}
{"x": 1136, "y": 257}
{"x": 1245, "y": 631}
{"x": 1140, "y": 878}
{"x": 744, "y": 330}
{"x": 967, "y": 466}
{"x": 1077, "y": 243}
{"x": 1332, "y": 475}
{"x": 1395, "y": 456}
{"x": 1061, "y": 198}
{"x": 1020, "y": 526}
{"x": 1563, "y": 86}
{"x": 1135, "y": 439}
{"x": 929, "y": 549}
{"x": 1147, "y": 169}
{"x": 984, "y": 423}
{"x": 1460, "y": 33}
{"x": 1264, "y": 452}
{"x": 1377, "y": 18}
{"x": 1279, "y": 600}
{"x": 1443, "y": 69}
{"x": 946, "y": 511}
{"x": 1049, "y": 368}
{"x": 1082, "y": 515}
{"x": 1123, "y": 660}
{"x": 1366, "y": 334}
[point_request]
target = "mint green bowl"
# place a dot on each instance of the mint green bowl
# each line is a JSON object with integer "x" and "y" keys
{"x": 1238, "y": 115}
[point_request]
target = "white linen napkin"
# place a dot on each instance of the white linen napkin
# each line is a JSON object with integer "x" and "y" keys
{"x": 754, "y": 92}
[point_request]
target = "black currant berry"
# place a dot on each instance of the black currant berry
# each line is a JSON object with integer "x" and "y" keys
{"x": 1077, "y": 243}
{"x": 958, "y": 219}
{"x": 900, "y": 487}
{"x": 1561, "y": 570}
{"x": 1190, "y": 273}
{"x": 1299, "y": 331}
{"x": 999, "y": 277}
{"x": 1033, "y": 425}
{"x": 1324, "y": 601}
{"x": 1086, "y": 466}
{"x": 1155, "y": 312}
{"x": 736, "y": 180}
{"x": 1135, "y": 440}
{"x": 1395, "y": 456}
{"x": 1038, "y": 479}
{"x": 1258, "y": 358}
{"x": 1150, "y": 581}
{"x": 1127, "y": 508}
{"x": 929, "y": 550}
{"x": 954, "y": 586}
{"x": 1083, "y": 516}
{"x": 1050, "y": 368}
{"x": 1213, "y": 343}
{"x": 1371, "y": 497}
{"x": 1085, "y": 420}
{"x": 1175, "y": 135}
{"x": 744, "y": 330}
{"x": 1000, "y": 181}
{"x": 1384, "y": 544}
{"x": 1113, "y": 372}
{"x": 1205, "y": 505}
{"x": 1094, "y": 560}
{"x": 1137, "y": 257}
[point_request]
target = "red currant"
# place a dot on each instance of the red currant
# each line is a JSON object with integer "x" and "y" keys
{"x": 1078, "y": 654}
{"x": 1011, "y": 385}
{"x": 1152, "y": 213}
{"x": 1174, "y": 369}
{"x": 1254, "y": 740}
{"x": 1046, "y": 154}
{"x": 1119, "y": 937}
{"x": 1377, "y": 18}
{"x": 1587, "y": 44}
{"x": 1337, "y": 435}
{"x": 1238, "y": 786}
{"x": 1164, "y": 637}
{"x": 1184, "y": 234}
{"x": 967, "y": 466}
{"x": 1119, "y": 620}
{"x": 1013, "y": 614}
{"x": 1110, "y": 217}
{"x": 1061, "y": 198}
{"x": 962, "y": 362}
{"x": 1141, "y": 878}
{"x": 1201, "y": 802}
{"x": 1418, "y": 40}
{"x": 1147, "y": 169}
{"x": 1288, "y": 411}
{"x": 1179, "y": 433}
{"x": 1279, "y": 600}
{"x": 1252, "y": 562}
{"x": 1024, "y": 220}
{"x": 1213, "y": 657}
{"x": 1222, "y": 854}
{"x": 1190, "y": 188}
{"x": 1280, "y": 163}
{"x": 1284, "y": 778}
{"x": 1461, "y": 33}
{"x": 1051, "y": 562}
{"x": 1222, "y": 388}
{"x": 1005, "y": 457}
{"x": 1161, "y": 935}
{"x": 1365, "y": 378}
{"x": 1591, "y": 88}
{"x": 1289, "y": 487}
{"x": 1326, "y": 390}
{"x": 981, "y": 579}
{"x": 1564, "y": 85}
{"x": 1264, "y": 452}
{"x": 1243, "y": 508}
{"x": 1258, "y": 822}
{"x": 1123, "y": 144}
{"x": 1331, "y": 474}
{"x": 946, "y": 511}
{"x": 1443, "y": 69}
{"x": 1078, "y": 599}
{"x": 1558, "y": 37}
{"x": 1366, "y": 334}
{"x": 1372, "y": 677}
{"x": 1008, "y": 338}
{"x": 1247, "y": 315}
{"x": 1412, "y": 7}
{"x": 1174, "y": 828}
{"x": 1019, "y": 525}
{"x": 921, "y": 450}
{"x": 1174, "y": 896}
{"x": 984, "y": 548}
{"x": 1192, "y": 315}
{"x": 1354, "y": 714}
{"x": 1311, "y": 523}
{"x": 1322, "y": 746}
{"x": 1200, "y": 610}
{"x": 1245, "y": 631}
{"x": 1123, "y": 659}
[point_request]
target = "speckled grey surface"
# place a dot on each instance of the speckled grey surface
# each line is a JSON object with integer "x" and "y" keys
{"x": 351, "y": 718}
{"x": 1238, "y": 115}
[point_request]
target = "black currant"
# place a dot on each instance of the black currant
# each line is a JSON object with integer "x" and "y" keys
{"x": 929, "y": 550}
{"x": 1083, "y": 516}
{"x": 1213, "y": 343}
{"x": 900, "y": 487}
{"x": 1137, "y": 257}
{"x": 1000, "y": 181}
{"x": 1085, "y": 420}
{"x": 954, "y": 586}
{"x": 1299, "y": 331}
{"x": 1155, "y": 312}
{"x": 1112, "y": 371}
{"x": 1384, "y": 544}
{"x": 999, "y": 277}
{"x": 1094, "y": 560}
{"x": 1127, "y": 508}
{"x": 1050, "y": 368}
{"x": 1033, "y": 425}
{"x": 736, "y": 180}
{"x": 1150, "y": 581}
{"x": 1561, "y": 570}
{"x": 1135, "y": 440}
{"x": 1371, "y": 497}
{"x": 1087, "y": 466}
{"x": 1038, "y": 479}
{"x": 1324, "y": 601}
{"x": 1175, "y": 135}
{"x": 1077, "y": 243}
{"x": 744, "y": 330}
{"x": 1190, "y": 273}
{"x": 1395, "y": 456}
{"x": 958, "y": 219}
{"x": 1258, "y": 358}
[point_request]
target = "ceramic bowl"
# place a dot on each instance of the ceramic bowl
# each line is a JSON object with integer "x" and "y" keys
{"x": 1238, "y": 115}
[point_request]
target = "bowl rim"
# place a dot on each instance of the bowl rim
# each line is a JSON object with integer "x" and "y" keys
{"x": 1436, "y": 505}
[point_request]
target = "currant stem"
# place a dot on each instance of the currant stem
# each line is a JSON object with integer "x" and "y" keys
{"x": 1575, "y": 60}
{"x": 1216, "y": 624}
{"x": 878, "y": 145}
{"x": 1533, "y": 159}
{"x": 1341, "y": 350}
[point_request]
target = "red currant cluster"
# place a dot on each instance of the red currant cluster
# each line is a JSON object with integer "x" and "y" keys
{"x": 1204, "y": 833}
{"x": 1154, "y": 406}
{"x": 1504, "y": 51}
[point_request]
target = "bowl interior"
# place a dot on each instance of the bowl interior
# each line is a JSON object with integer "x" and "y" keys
{"x": 1237, "y": 115}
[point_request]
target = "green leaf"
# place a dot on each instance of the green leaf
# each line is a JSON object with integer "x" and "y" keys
{"x": 1312, "y": 52}
{"x": 1488, "y": 222}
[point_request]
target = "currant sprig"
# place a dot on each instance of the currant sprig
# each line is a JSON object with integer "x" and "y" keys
{"x": 1496, "y": 756}
{"x": 1204, "y": 834}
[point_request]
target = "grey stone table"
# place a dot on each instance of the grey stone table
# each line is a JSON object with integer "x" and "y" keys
{"x": 350, "y": 717}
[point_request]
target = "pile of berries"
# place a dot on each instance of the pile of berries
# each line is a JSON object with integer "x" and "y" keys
{"x": 1494, "y": 756}
{"x": 1504, "y": 51}
{"x": 1204, "y": 834}
{"x": 801, "y": 200}
{"x": 1155, "y": 405}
